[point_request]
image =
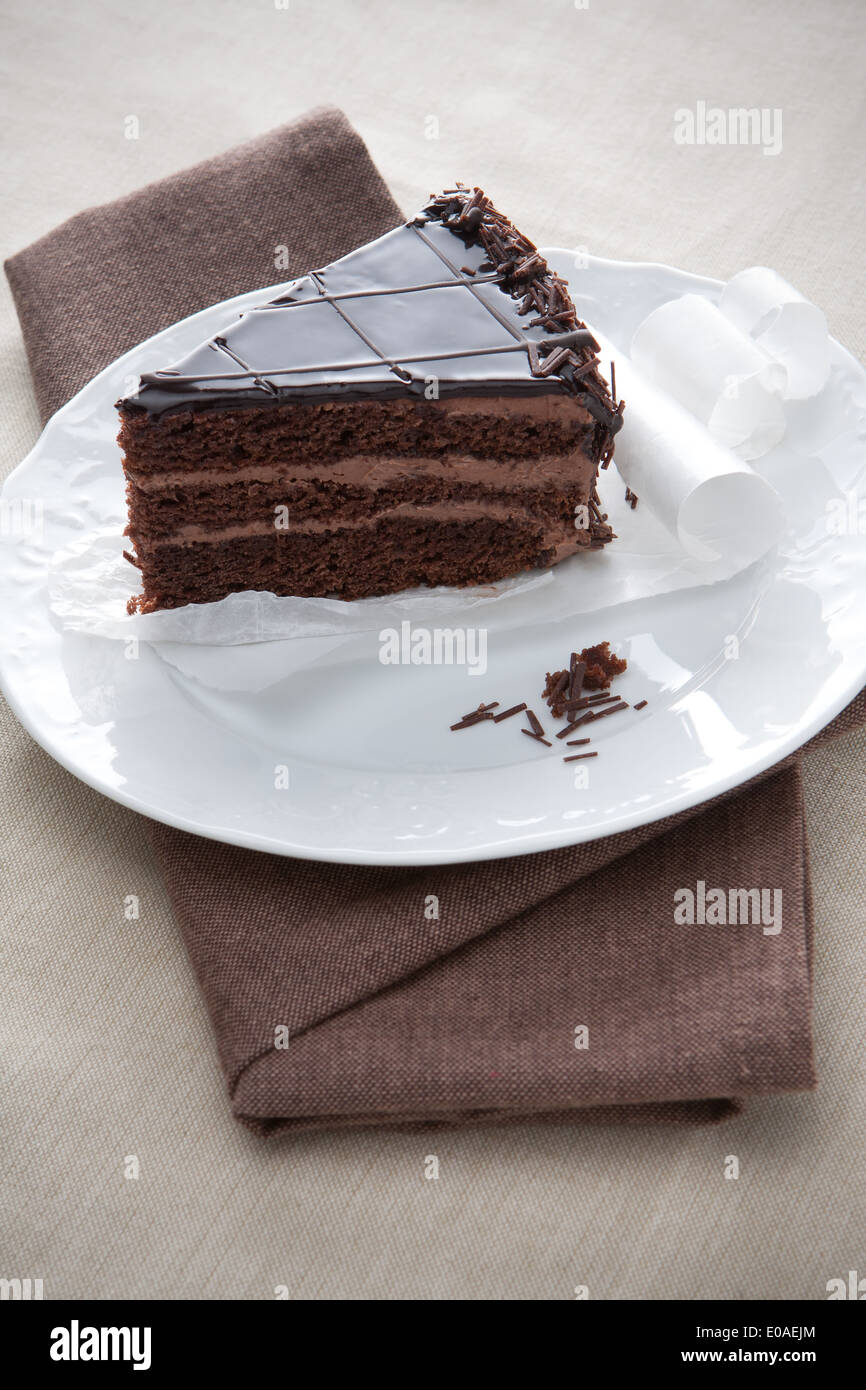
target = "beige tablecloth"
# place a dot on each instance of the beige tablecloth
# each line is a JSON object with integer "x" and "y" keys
{"x": 567, "y": 116}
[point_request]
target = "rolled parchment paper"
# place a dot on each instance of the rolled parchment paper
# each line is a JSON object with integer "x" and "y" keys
{"x": 695, "y": 353}
{"x": 762, "y": 304}
{"x": 711, "y": 500}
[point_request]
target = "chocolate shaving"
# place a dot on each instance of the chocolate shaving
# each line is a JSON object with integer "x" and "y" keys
{"x": 482, "y": 709}
{"x": 554, "y": 683}
{"x": 507, "y": 713}
{"x": 587, "y": 367}
{"x": 557, "y": 358}
{"x": 576, "y": 673}
{"x": 470, "y": 719}
{"x": 554, "y": 692}
{"x": 535, "y": 722}
{"x": 570, "y": 728}
{"x": 603, "y": 713}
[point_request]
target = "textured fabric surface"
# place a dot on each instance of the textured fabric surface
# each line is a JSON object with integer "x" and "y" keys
{"x": 109, "y": 1044}
{"x": 391, "y": 1015}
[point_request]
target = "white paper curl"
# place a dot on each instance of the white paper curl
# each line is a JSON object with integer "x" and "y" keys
{"x": 788, "y": 327}
{"x": 734, "y": 364}
{"x": 690, "y": 349}
{"x": 712, "y": 501}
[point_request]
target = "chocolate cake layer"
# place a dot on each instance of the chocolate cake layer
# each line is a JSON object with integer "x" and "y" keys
{"x": 398, "y": 553}
{"x": 229, "y": 438}
{"x": 283, "y": 505}
{"x": 432, "y": 390}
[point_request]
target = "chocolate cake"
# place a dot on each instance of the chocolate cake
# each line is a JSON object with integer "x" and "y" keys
{"x": 426, "y": 410}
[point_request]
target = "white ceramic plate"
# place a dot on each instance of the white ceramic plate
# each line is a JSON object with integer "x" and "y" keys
{"x": 373, "y": 774}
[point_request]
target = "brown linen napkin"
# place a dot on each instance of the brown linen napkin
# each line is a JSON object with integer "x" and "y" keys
{"x": 475, "y": 1016}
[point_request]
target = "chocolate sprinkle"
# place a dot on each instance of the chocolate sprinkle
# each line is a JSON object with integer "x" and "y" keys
{"x": 535, "y": 722}
{"x": 576, "y": 742}
{"x": 538, "y": 738}
{"x": 577, "y": 757}
{"x": 554, "y": 691}
{"x": 577, "y": 671}
{"x": 603, "y": 713}
{"x": 570, "y": 728}
{"x": 507, "y": 713}
{"x": 641, "y": 704}
{"x": 471, "y": 719}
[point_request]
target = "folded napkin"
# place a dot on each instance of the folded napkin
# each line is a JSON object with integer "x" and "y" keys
{"x": 557, "y": 985}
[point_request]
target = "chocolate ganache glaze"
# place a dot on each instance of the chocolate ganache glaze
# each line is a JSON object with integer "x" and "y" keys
{"x": 457, "y": 296}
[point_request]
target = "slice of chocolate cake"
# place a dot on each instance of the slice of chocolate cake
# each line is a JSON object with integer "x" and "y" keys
{"x": 426, "y": 410}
